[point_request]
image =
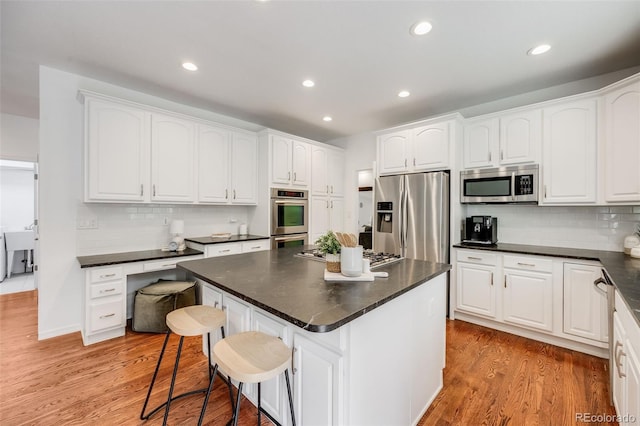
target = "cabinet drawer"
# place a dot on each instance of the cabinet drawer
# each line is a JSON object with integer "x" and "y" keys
{"x": 106, "y": 315}
{"x": 257, "y": 245}
{"x": 477, "y": 256}
{"x": 528, "y": 263}
{"x": 106, "y": 289}
{"x": 106, "y": 274}
{"x": 214, "y": 250}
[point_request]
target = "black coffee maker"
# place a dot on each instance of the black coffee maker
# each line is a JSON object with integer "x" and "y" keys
{"x": 481, "y": 230}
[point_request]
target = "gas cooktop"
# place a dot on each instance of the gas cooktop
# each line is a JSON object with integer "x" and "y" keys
{"x": 377, "y": 259}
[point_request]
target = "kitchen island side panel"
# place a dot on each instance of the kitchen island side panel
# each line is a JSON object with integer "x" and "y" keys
{"x": 396, "y": 358}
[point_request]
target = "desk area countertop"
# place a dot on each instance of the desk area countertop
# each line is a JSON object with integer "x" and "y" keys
{"x": 132, "y": 256}
{"x": 230, "y": 239}
{"x": 294, "y": 289}
{"x": 623, "y": 270}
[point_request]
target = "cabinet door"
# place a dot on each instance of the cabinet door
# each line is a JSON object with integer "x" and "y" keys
{"x": 528, "y": 299}
{"x": 238, "y": 315}
{"x": 632, "y": 385}
{"x": 117, "y": 152}
{"x": 476, "y": 292}
{"x": 619, "y": 338}
{"x": 335, "y": 172}
{"x": 336, "y": 210}
{"x": 480, "y": 140}
{"x": 301, "y": 164}
{"x": 569, "y": 147}
{"x": 172, "y": 159}
{"x": 213, "y": 164}
{"x": 622, "y": 144}
{"x": 431, "y": 147}
{"x": 317, "y": 381}
{"x": 211, "y": 297}
{"x": 319, "y": 176}
{"x": 274, "y": 396}
{"x": 520, "y": 137}
{"x": 244, "y": 167}
{"x": 280, "y": 160}
{"x": 585, "y": 307}
{"x": 393, "y": 152}
{"x": 320, "y": 219}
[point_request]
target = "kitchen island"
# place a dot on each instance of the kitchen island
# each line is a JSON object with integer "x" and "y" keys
{"x": 364, "y": 352}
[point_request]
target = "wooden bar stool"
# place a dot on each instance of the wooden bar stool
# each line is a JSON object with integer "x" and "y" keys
{"x": 189, "y": 321}
{"x": 253, "y": 357}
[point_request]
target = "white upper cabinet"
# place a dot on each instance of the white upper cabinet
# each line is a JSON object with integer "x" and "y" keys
{"x": 214, "y": 151}
{"x": 172, "y": 159}
{"x": 431, "y": 146}
{"x": 393, "y": 151}
{"x": 290, "y": 162}
{"x": 116, "y": 152}
{"x": 622, "y": 143}
{"x": 327, "y": 172}
{"x": 520, "y": 137}
{"x": 227, "y": 163}
{"x": 499, "y": 141}
{"x": 425, "y": 146}
{"x": 479, "y": 140}
{"x": 569, "y": 153}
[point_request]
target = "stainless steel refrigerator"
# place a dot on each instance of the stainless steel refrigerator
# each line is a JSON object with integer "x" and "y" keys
{"x": 412, "y": 216}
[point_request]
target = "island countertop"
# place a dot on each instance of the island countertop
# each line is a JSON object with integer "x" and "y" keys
{"x": 294, "y": 289}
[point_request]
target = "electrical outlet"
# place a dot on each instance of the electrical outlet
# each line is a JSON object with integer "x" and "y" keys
{"x": 87, "y": 223}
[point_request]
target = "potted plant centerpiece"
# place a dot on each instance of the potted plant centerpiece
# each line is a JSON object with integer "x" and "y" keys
{"x": 329, "y": 246}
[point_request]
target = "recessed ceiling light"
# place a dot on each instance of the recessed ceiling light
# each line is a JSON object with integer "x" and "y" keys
{"x": 190, "y": 66}
{"x": 538, "y": 50}
{"x": 308, "y": 83}
{"x": 327, "y": 118}
{"x": 421, "y": 28}
{"x": 403, "y": 93}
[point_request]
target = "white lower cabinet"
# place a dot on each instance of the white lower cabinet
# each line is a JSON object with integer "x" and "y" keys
{"x": 318, "y": 383}
{"x": 227, "y": 249}
{"x": 105, "y": 304}
{"x": 626, "y": 364}
{"x": 544, "y": 298}
{"x": 585, "y": 305}
{"x": 528, "y": 292}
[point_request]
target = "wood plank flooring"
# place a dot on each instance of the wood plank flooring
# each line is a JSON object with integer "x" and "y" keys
{"x": 491, "y": 378}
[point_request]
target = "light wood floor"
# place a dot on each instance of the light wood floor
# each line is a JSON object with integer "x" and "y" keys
{"x": 491, "y": 378}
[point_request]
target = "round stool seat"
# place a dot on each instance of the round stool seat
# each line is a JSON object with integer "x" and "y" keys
{"x": 195, "y": 320}
{"x": 252, "y": 357}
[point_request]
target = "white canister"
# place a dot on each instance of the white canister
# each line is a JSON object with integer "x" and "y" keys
{"x": 351, "y": 261}
{"x": 630, "y": 242}
{"x": 243, "y": 229}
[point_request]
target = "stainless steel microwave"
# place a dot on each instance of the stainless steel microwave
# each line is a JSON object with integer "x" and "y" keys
{"x": 515, "y": 184}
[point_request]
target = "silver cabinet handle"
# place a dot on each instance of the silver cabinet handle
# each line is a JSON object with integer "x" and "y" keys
{"x": 617, "y": 355}
{"x": 288, "y": 175}
{"x": 225, "y": 251}
{"x": 492, "y": 278}
{"x": 597, "y": 283}
{"x": 327, "y": 189}
{"x": 405, "y": 162}
{"x": 295, "y": 176}
{"x": 414, "y": 161}
{"x": 141, "y": 190}
{"x": 255, "y": 248}
{"x": 474, "y": 258}
{"x": 234, "y": 194}
{"x": 109, "y": 290}
{"x": 327, "y": 203}
{"x": 489, "y": 156}
{"x": 215, "y": 304}
{"x": 545, "y": 192}
{"x": 108, "y": 275}
{"x": 532, "y": 265}
{"x": 331, "y": 203}
{"x": 501, "y": 155}
{"x": 154, "y": 189}
{"x": 167, "y": 265}
{"x": 332, "y": 189}
{"x": 226, "y": 194}
{"x": 108, "y": 316}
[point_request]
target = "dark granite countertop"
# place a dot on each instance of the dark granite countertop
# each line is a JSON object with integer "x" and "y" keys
{"x": 623, "y": 270}
{"x": 132, "y": 256}
{"x": 293, "y": 288}
{"x": 231, "y": 239}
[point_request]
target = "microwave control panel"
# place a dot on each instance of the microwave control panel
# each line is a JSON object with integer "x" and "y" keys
{"x": 524, "y": 185}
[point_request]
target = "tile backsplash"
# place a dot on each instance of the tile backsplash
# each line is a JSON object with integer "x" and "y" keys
{"x": 131, "y": 227}
{"x": 596, "y": 228}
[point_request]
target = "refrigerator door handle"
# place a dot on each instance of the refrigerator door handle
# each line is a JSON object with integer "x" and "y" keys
{"x": 402, "y": 211}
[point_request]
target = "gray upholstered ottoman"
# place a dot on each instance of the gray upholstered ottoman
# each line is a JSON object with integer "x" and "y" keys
{"x": 153, "y": 302}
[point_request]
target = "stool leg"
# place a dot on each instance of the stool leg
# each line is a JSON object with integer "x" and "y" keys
{"x": 236, "y": 415}
{"x": 173, "y": 381}
{"x": 153, "y": 379}
{"x": 259, "y": 405}
{"x": 228, "y": 380}
{"x": 206, "y": 398}
{"x": 286, "y": 377}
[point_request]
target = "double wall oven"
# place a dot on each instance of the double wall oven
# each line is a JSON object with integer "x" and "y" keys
{"x": 289, "y": 218}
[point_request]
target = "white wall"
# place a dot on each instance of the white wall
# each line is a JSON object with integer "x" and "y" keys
{"x": 594, "y": 228}
{"x": 18, "y": 138}
{"x": 121, "y": 227}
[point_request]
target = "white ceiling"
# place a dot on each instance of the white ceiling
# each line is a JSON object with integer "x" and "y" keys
{"x": 254, "y": 55}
